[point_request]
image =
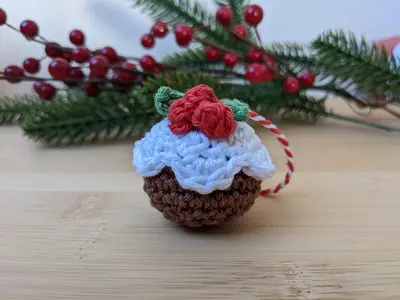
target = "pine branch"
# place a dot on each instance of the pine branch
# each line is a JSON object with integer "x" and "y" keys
{"x": 109, "y": 116}
{"x": 192, "y": 13}
{"x": 191, "y": 57}
{"x": 237, "y": 7}
{"x": 354, "y": 62}
{"x": 13, "y": 109}
{"x": 297, "y": 57}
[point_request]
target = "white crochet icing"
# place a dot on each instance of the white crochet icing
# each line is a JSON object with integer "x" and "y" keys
{"x": 201, "y": 164}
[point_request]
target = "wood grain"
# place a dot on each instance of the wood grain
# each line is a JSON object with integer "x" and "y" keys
{"x": 75, "y": 224}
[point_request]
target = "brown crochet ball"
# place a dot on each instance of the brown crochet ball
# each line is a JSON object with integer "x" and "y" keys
{"x": 189, "y": 208}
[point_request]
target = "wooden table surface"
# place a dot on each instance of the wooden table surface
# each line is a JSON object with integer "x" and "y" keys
{"x": 75, "y": 224}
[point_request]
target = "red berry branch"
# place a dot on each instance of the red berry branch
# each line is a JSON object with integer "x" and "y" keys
{"x": 104, "y": 69}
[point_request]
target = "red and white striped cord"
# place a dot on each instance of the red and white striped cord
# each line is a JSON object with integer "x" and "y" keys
{"x": 285, "y": 143}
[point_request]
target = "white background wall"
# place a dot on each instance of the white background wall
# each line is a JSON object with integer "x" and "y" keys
{"x": 114, "y": 22}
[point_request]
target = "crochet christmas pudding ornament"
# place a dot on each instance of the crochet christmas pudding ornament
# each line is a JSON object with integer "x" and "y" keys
{"x": 203, "y": 164}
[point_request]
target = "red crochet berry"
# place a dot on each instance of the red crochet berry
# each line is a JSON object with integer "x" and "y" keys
{"x": 159, "y": 29}
{"x": 77, "y": 37}
{"x": 3, "y": 17}
{"x": 45, "y": 90}
{"x": 80, "y": 54}
{"x": 254, "y": 55}
{"x": 31, "y": 65}
{"x": 307, "y": 79}
{"x": 253, "y": 15}
{"x": 224, "y": 15}
{"x": 215, "y": 120}
{"x": 230, "y": 59}
{"x": 126, "y": 76}
{"x": 59, "y": 69}
{"x": 183, "y": 35}
{"x": 147, "y": 41}
{"x": 91, "y": 89}
{"x": 255, "y": 73}
{"x": 291, "y": 85}
{"x": 76, "y": 75}
{"x": 99, "y": 66}
{"x": 212, "y": 53}
{"x": 148, "y": 63}
{"x": 29, "y": 29}
{"x": 240, "y": 31}
{"x": 268, "y": 74}
{"x": 110, "y": 54}
{"x": 13, "y": 71}
{"x": 53, "y": 50}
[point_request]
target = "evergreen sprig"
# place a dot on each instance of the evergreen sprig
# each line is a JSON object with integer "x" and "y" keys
{"x": 191, "y": 57}
{"x": 13, "y": 109}
{"x": 77, "y": 118}
{"x": 191, "y": 13}
{"x": 297, "y": 57}
{"x": 111, "y": 115}
{"x": 354, "y": 61}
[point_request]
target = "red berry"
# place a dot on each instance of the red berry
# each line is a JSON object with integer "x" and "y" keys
{"x": 29, "y": 29}
{"x": 36, "y": 86}
{"x": 31, "y": 65}
{"x": 99, "y": 66}
{"x": 147, "y": 41}
{"x": 240, "y": 31}
{"x": 53, "y": 50}
{"x": 255, "y": 73}
{"x": 307, "y": 79}
{"x": 159, "y": 29}
{"x": 268, "y": 75}
{"x": 253, "y": 15}
{"x": 291, "y": 85}
{"x": 125, "y": 75}
{"x": 45, "y": 90}
{"x": 13, "y": 71}
{"x": 109, "y": 53}
{"x": 59, "y": 69}
{"x": 254, "y": 55}
{"x": 230, "y": 59}
{"x": 224, "y": 15}
{"x": 80, "y": 54}
{"x": 91, "y": 89}
{"x": 3, "y": 17}
{"x": 75, "y": 74}
{"x": 77, "y": 37}
{"x": 183, "y": 35}
{"x": 212, "y": 53}
{"x": 148, "y": 63}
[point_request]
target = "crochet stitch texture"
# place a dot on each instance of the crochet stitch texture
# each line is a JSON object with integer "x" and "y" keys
{"x": 199, "y": 163}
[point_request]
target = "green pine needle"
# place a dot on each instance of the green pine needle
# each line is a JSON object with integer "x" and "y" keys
{"x": 14, "y": 109}
{"x": 191, "y": 57}
{"x": 108, "y": 116}
{"x": 354, "y": 61}
{"x": 192, "y": 13}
